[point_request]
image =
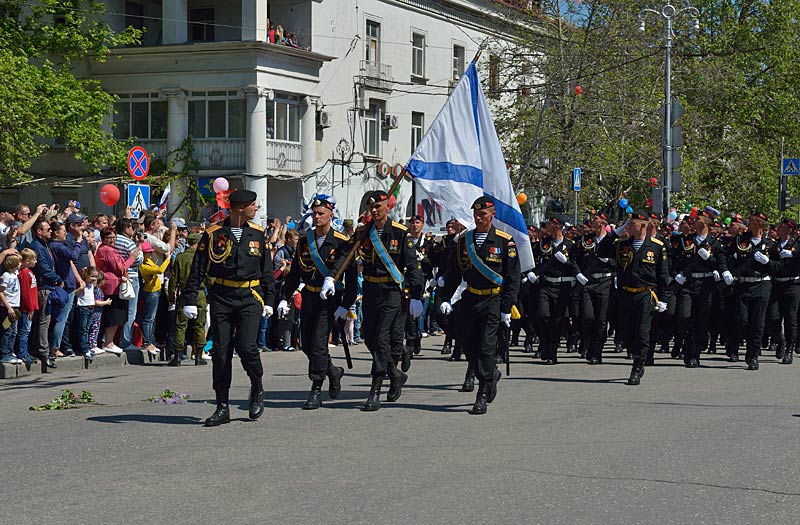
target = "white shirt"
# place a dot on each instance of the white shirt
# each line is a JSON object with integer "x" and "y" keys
{"x": 86, "y": 298}
{"x": 10, "y": 286}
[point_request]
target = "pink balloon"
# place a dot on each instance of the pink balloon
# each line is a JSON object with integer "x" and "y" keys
{"x": 220, "y": 184}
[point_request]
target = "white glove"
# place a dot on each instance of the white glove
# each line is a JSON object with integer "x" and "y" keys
{"x": 171, "y": 308}
{"x": 661, "y": 306}
{"x": 717, "y": 277}
{"x": 440, "y": 281}
{"x": 532, "y": 277}
{"x": 190, "y": 312}
{"x": 582, "y": 278}
{"x": 786, "y": 254}
{"x": 704, "y": 254}
{"x": 446, "y": 308}
{"x": 603, "y": 259}
{"x": 328, "y": 288}
{"x": 420, "y": 256}
{"x": 415, "y": 308}
{"x": 680, "y": 279}
{"x": 620, "y": 230}
{"x": 760, "y": 257}
{"x": 506, "y": 319}
{"x": 267, "y": 312}
{"x": 283, "y": 308}
{"x": 728, "y": 277}
{"x": 560, "y": 257}
{"x": 340, "y": 314}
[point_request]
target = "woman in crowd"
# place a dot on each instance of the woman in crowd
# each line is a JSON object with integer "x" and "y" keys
{"x": 115, "y": 271}
{"x": 151, "y": 273}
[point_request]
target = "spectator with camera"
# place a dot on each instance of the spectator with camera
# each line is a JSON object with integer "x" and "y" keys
{"x": 127, "y": 242}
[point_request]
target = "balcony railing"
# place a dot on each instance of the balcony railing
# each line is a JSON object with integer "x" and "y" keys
{"x": 284, "y": 156}
{"x": 220, "y": 154}
{"x": 376, "y": 75}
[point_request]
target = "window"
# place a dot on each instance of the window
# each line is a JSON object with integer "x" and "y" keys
{"x": 494, "y": 73}
{"x": 372, "y": 131}
{"x": 417, "y": 129}
{"x": 418, "y": 55}
{"x": 283, "y": 118}
{"x": 134, "y": 15}
{"x": 373, "y": 41}
{"x": 458, "y": 61}
{"x": 217, "y": 114}
{"x": 140, "y": 115}
{"x": 201, "y": 25}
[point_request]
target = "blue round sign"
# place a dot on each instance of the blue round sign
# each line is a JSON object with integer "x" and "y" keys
{"x": 138, "y": 163}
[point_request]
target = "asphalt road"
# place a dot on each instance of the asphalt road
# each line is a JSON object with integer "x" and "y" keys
{"x": 563, "y": 444}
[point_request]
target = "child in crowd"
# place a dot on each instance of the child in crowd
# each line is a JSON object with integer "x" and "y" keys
{"x": 86, "y": 305}
{"x": 99, "y": 302}
{"x": 9, "y": 300}
{"x": 29, "y": 303}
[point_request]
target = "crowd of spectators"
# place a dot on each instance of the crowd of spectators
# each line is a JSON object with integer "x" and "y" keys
{"x": 279, "y": 37}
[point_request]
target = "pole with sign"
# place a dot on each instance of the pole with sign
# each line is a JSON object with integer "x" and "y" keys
{"x": 576, "y": 187}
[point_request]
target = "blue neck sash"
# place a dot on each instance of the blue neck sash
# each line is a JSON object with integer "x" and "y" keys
{"x": 315, "y": 256}
{"x": 384, "y": 256}
{"x": 478, "y": 263}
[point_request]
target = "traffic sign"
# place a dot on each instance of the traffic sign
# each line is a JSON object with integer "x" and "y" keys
{"x": 138, "y": 163}
{"x": 138, "y": 199}
{"x": 791, "y": 167}
{"x": 676, "y": 111}
{"x": 576, "y": 179}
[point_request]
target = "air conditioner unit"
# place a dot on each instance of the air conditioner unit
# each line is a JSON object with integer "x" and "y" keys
{"x": 324, "y": 119}
{"x": 390, "y": 121}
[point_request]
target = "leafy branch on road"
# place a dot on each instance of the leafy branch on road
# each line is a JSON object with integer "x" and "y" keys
{"x": 66, "y": 400}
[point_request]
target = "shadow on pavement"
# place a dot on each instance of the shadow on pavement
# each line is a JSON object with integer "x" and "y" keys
{"x": 565, "y": 380}
{"x": 142, "y": 418}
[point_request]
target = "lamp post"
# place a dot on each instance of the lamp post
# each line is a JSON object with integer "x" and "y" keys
{"x": 669, "y": 13}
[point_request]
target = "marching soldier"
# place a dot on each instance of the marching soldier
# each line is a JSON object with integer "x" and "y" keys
{"x": 319, "y": 256}
{"x": 486, "y": 259}
{"x": 389, "y": 260}
{"x": 235, "y": 256}
{"x": 596, "y": 293}
{"x": 423, "y": 246}
{"x": 785, "y": 294}
{"x": 642, "y": 277}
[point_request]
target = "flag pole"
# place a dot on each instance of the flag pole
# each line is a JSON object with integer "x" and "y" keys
{"x": 481, "y": 47}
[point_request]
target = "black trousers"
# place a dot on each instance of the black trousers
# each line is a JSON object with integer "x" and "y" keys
{"x": 635, "y": 319}
{"x": 478, "y": 322}
{"x": 751, "y": 304}
{"x": 316, "y": 320}
{"x": 701, "y": 294}
{"x": 382, "y": 326}
{"x": 595, "y": 298}
{"x": 553, "y": 302}
{"x": 235, "y": 316}
{"x": 783, "y": 305}
{"x": 413, "y": 337}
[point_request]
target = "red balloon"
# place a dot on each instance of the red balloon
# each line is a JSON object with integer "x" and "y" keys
{"x": 109, "y": 194}
{"x": 693, "y": 213}
{"x": 392, "y": 202}
{"x": 653, "y": 181}
{"x": 578, "y": 91}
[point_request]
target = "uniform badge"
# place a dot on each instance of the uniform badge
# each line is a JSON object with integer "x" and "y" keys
{"x": 255, "y": 248}
{"x": 512, "y": 253}
{"x": 222, "y": 239}
{"x": 394, "y": 245}
{"x": 410, "y": 243}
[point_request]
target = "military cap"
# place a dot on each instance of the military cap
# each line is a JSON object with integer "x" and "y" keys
{"x": 654, "y": 216}
{"x": 789, "y": 222}
{"x": 705, "y": 214}
{"x": 320, "y": 201}
{"x": 737, "y": 219}
{"x": 483, "y": 203}
{"x": 759, "y": 215}
{"x": 377, "y": 196}
{"x": 638, "y": 216}
{"x": 556, "y": 221}
{"x": 415, "y": 218}
{"x": 601, "y": 216}
{"x": 242, "y": 197}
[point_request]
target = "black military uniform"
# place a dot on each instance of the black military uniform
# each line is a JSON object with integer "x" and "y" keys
{"x": 382, "y": 324}
{"x": 595, "y": 295}
{"x": 317, "y": 313}
{"x": 441, "y": 257}
{"x": 556, "y": 279}
{"x": 484, "y": 299}
{"x": 783, "y": 304}
{"x": 753, "y": 286}
{"x": 642, "y": 278}
{"x": 423, "y": 246}
{"x": 239, "y": 265}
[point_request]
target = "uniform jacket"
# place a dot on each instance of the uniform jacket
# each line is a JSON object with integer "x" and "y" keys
{"x": 741, "y": 256}
{"x": 647, "y": 267}
{"x": 181, "y": 268}
{"x": 400, "y": 249}
{"x": 547, "y": 265}
{"x": 589, "y": 262}
{"x": 694, "y": 264}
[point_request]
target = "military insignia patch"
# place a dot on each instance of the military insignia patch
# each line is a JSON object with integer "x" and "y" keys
{"x": 255, "y": 248}
{"x": 221, "y": 240}
{"x": 512, "y": 252}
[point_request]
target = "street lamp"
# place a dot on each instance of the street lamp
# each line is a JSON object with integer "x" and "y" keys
{"x": 668, "y": 13}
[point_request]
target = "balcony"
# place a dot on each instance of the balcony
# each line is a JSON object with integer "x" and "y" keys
{"x": 375, "y": 75}
{"x": 284, "y": 157}
{"x": 220, "y": 154}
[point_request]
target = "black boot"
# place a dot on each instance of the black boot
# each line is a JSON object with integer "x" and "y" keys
{"x": 335, "y": 382}
{"x": 256, "y": 401}
{"x": 480, "y": 407}
{"x": 491, "y": 386}
{"x": 198, "y": 357}
{"x": 176, "y": 359}
{"x": 753, "y": 364}
{"x": 405, "y": 365}
{"x": 787, "y": 356}
{"x": 456, "y": 352}
{"x": 373, "y": 402}
{"x": 396, "y": 387}
{"x": 636, "y": 374}
{"x": 774, "y": 348}
{"x": 527, "y": 348}
{"x": 780, "y": 351}
{"x": 417, "y": 345}
{"x": 222, "y": 414}
{"x": 314, "y": 401}
{"x": 469, "y": 381}
{"x": 446, "y": 349}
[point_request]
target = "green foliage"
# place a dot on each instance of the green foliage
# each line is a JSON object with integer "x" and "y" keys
{"x": 66, "y": 400}
{"x": 177, "y": 170}
{"x": 44, "y": 102}
{"x": 170, "y": 397}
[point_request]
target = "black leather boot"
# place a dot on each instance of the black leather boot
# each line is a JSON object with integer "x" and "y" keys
{"x": 636, "y": 374}
{"x": 314, "y": 400}
{"x": 176, "y": 359}
{"x": 198, "y": 357}
{"x": 491, "y": 386}
{"x": 256, "y": 401}
{"x": 469, "y": 381}
{"x": 222, "y": 414}
{"x": 776, "y": 348}
{"x": 456, "y": 352}
{"x": 480, "y": 407}
{"x": 418, "y": 345}
{"x": 373, "y": 402}
{"x": 446, "y": 349}
{"x": 787, "y": 355}
{"x": 396, "y": 387}
{"x": 753, "y": 364}
{"x": 335, "y": 382}
{"x": 405, "y": 365}
{"x": 780, "y": 350}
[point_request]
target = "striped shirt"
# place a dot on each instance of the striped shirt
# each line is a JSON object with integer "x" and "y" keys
{"x": 124, "y": 247}
{"x": 237, "y": 232}
{"x": 637, "y": 245}
{"x": 480, "y": 238}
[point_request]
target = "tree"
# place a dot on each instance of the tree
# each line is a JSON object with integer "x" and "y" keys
{"x": 43, "y": 100}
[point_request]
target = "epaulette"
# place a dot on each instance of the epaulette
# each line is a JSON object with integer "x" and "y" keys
{"x": 213, "y": 228}
{"x": 502, "y": 234}
{"x": 657, "y": 241}
{"x": 255, "y": 226}
{"x": 340, "y": 236}
{"x": 398, "y": 225}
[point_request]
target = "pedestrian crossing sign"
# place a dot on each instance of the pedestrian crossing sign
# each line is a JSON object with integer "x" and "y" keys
{"x": 791, "y": 167}
{"x": 138, "y": 199}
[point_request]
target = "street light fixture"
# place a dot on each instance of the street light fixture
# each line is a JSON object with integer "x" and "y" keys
{"x": 669, "y": 13}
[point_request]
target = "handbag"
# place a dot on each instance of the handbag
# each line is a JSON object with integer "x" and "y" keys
{"x": 126, "y": 291}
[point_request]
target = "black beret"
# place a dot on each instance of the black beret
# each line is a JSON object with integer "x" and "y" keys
{"x": 789, "y": 222}
{"x": 759, "y": 215}
{"x": 377, "y": 196}
{"x": 638, "y": 216}
{"x": 602, "y": 216}
{"x": 415, "y": 218}
{"x": 706, "y": 215}
{"x": 322, "y": 202}
{"x": 654, "y": 216}
{"x": 482, "y": 203}
{"x": 242, "y": 197}
{"x": 556, "y": 221}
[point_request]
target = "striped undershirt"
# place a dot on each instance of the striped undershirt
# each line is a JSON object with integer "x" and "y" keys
{"x": 480, "y": 238}
{"x": 237, "y": 232}
{"x": 637, "y": 245}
